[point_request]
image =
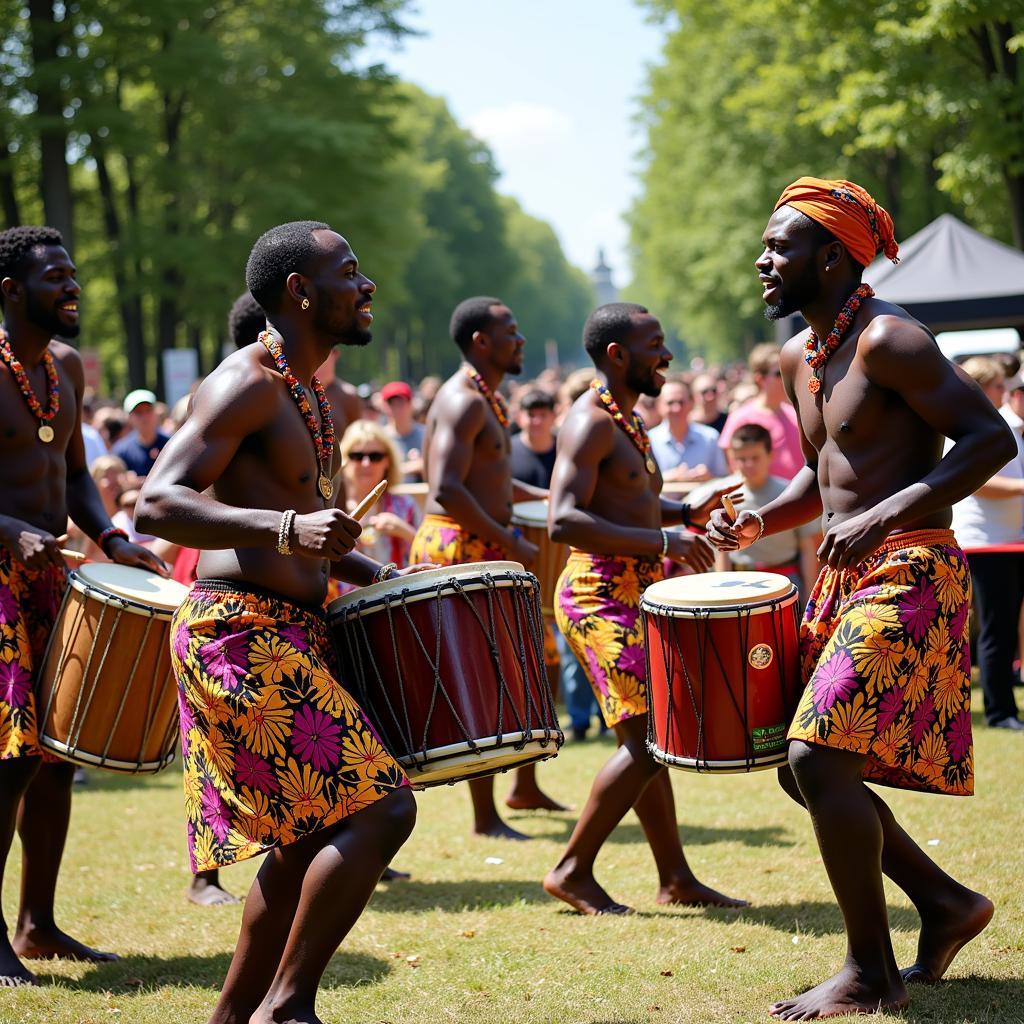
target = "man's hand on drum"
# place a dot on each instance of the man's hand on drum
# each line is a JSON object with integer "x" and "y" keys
{"x": 35, "y": 548}
{"x": 124, "y": 552}
{"x": 329, "y": 533}
{"x": 690, "y": 548}
{"x": 418, "y": 567}
{"x": 525, "y": 551}
{"x": 727, "y": 535}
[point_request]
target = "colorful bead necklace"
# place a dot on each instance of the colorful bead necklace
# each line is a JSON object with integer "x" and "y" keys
{"x": 816, "y": 355}
{"x": 323, "y": 440}
{"x": 635, "y": 431}
{"x": 45, "y": 417}
{"x": 497, "y": 402}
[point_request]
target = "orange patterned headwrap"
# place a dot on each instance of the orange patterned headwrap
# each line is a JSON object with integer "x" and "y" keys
{"x": 845, "y": 209}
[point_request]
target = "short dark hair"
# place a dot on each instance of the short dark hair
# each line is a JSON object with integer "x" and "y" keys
{"x": 537, "y": 398}
{"x": 751, "y": 433}
{"x": 608, "y": 323}
{"x": 17, "y": 246}
{"x": 470, "y": 316}
{"x": 287, "y": 249}
{"x": 246, "y": 321}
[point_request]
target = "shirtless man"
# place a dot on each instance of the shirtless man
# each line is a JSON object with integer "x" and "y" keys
{"x": 605, "y": 502}
{"x": 43, "y": 478}
{"x": 278, "y": 757}
{"x": 466, "y": 452}
{"x": 884, "y": 641}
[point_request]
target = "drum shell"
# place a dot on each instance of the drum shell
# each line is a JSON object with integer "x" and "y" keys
{"x": 386, "y": 658}
{"x": 551, "y": 560}
{"x": 106, "y": 696}
{"x": 711, "y": 707}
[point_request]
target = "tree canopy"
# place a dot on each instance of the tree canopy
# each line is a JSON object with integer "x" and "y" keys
{"x": 162, "y": 139}
{"x": 921, "y": 101}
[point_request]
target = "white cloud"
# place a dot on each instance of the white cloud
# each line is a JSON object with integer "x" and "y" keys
{"x": 517, "y": 127}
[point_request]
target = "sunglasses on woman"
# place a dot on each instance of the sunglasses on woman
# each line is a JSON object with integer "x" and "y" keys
{"x": 374, "y": 457}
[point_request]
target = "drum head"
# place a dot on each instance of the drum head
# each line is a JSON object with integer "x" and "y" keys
{"x": 422, "y": 584}
{"x": 530, "y": 513}
{"x": 718, "y": 590}
{"x": 139, "y": 585}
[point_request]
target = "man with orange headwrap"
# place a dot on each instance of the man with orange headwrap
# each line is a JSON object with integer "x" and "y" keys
{"x": 883, "y": 642}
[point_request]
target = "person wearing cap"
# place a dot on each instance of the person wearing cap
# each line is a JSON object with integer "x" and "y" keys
{"x": 141, "y": 447}
{"x": 403, "y": 429}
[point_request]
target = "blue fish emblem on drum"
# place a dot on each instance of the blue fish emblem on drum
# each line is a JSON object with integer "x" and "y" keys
{"x": 748, "y": 584}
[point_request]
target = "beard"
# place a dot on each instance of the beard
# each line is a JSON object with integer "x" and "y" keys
{"x": 643, "y": 382}
{"x": 47, "y": 318}
{"x": 344, "y": 331}
{"x": 798, "y": 295}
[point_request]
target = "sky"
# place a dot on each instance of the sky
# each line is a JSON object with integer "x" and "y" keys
{"x": 552, "y": 87}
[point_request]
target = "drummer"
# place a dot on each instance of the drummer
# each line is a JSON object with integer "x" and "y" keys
{"x": 279, "y": 759}
{"x": 43, "y": 477}
{"x": 605, "y": 502}
{"x": 884, "y": 637}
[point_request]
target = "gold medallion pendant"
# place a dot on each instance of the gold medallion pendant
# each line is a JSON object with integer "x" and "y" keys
{"x": 650, "y": 464}
{"x": 45, "y": 433}
{"x": 326, "y": 487}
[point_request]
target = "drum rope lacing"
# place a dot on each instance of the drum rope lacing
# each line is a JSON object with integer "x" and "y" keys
{"x": 521, "y": 587}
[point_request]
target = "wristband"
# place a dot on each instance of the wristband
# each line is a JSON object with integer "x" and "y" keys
{"x": 284, "y": 530}
{"x": 664, "y": 542}
{"x": 109, "y": 533}
{"x": 685, "y": 510}
{"x": 385, "y": 572}
{"x": 760, "y": 525}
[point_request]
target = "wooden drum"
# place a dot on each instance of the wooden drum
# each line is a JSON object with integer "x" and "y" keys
{"x": 107, "y": 697}
{"x": 723, "y": 670}
{"x": 532, "y": 518}
{"x": 448, "y": 666}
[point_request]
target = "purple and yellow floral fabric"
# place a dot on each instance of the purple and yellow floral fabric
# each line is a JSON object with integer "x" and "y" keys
{"x": 597, "y": 608}
{"x": 274, "y": 747}
{"x": 884, "y": 648}
{"x": 29, "y": 603}
{"x": 440, "y": 539}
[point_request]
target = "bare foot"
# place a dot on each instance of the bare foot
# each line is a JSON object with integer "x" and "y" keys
{"x": 391, "y": 875}
{"x": 209, "y": 894}
{"x": 13, "y": 973}
{"x": 581, "y": 892}
{"x": 533, "y": 800}
{"x": 285, "y": 1015}
{"x": 845, "y": 992}
{"x": 943, "y": 936}
{"x": 50, "y": 943}
{"x": 499, "y": 830}
{"x": 695, "y": 894}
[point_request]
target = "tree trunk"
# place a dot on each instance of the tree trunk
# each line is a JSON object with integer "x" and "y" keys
{"x": 8, "y": 195}
{"x": 127, "y": 298}
{"x": 55, "y": 180}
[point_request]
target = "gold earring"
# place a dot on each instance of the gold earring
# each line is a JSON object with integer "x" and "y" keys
{"x": 305, "y": 303}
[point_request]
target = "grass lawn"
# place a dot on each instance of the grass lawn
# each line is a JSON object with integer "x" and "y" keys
{"x": 474, "y": 938}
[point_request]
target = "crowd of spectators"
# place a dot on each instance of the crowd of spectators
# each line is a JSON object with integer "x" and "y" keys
{"x": 708, "y": 423}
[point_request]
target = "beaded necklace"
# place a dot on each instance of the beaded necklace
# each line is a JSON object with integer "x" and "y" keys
{"x": 497, "y": 402}
{"x": 45, "y": 417}
{"x": 635, "y": 431}
{"x": 323, "y": 441}
{"x": 816, "y": 355}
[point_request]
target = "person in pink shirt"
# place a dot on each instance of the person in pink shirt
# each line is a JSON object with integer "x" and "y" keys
{"x": 769, "y": 409}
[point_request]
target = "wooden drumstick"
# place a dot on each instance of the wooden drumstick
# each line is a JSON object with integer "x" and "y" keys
{"x": 730, "y": 508}
{"x": 75, "y": 556}
{"x": 370, "y": 500}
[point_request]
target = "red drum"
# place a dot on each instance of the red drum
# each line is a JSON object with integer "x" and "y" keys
{"x": 448, "y": 665}
{"x": 532, "y": 518}
{"x": 723, "y": 670}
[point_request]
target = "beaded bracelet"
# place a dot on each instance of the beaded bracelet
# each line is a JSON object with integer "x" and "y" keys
{"x": 107, "y": 534}
{"x": 385, "y": 572}
{"x": 664, "y": 543}
{"x": 284, "y": 530}
{"x": 760, "y": 524}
